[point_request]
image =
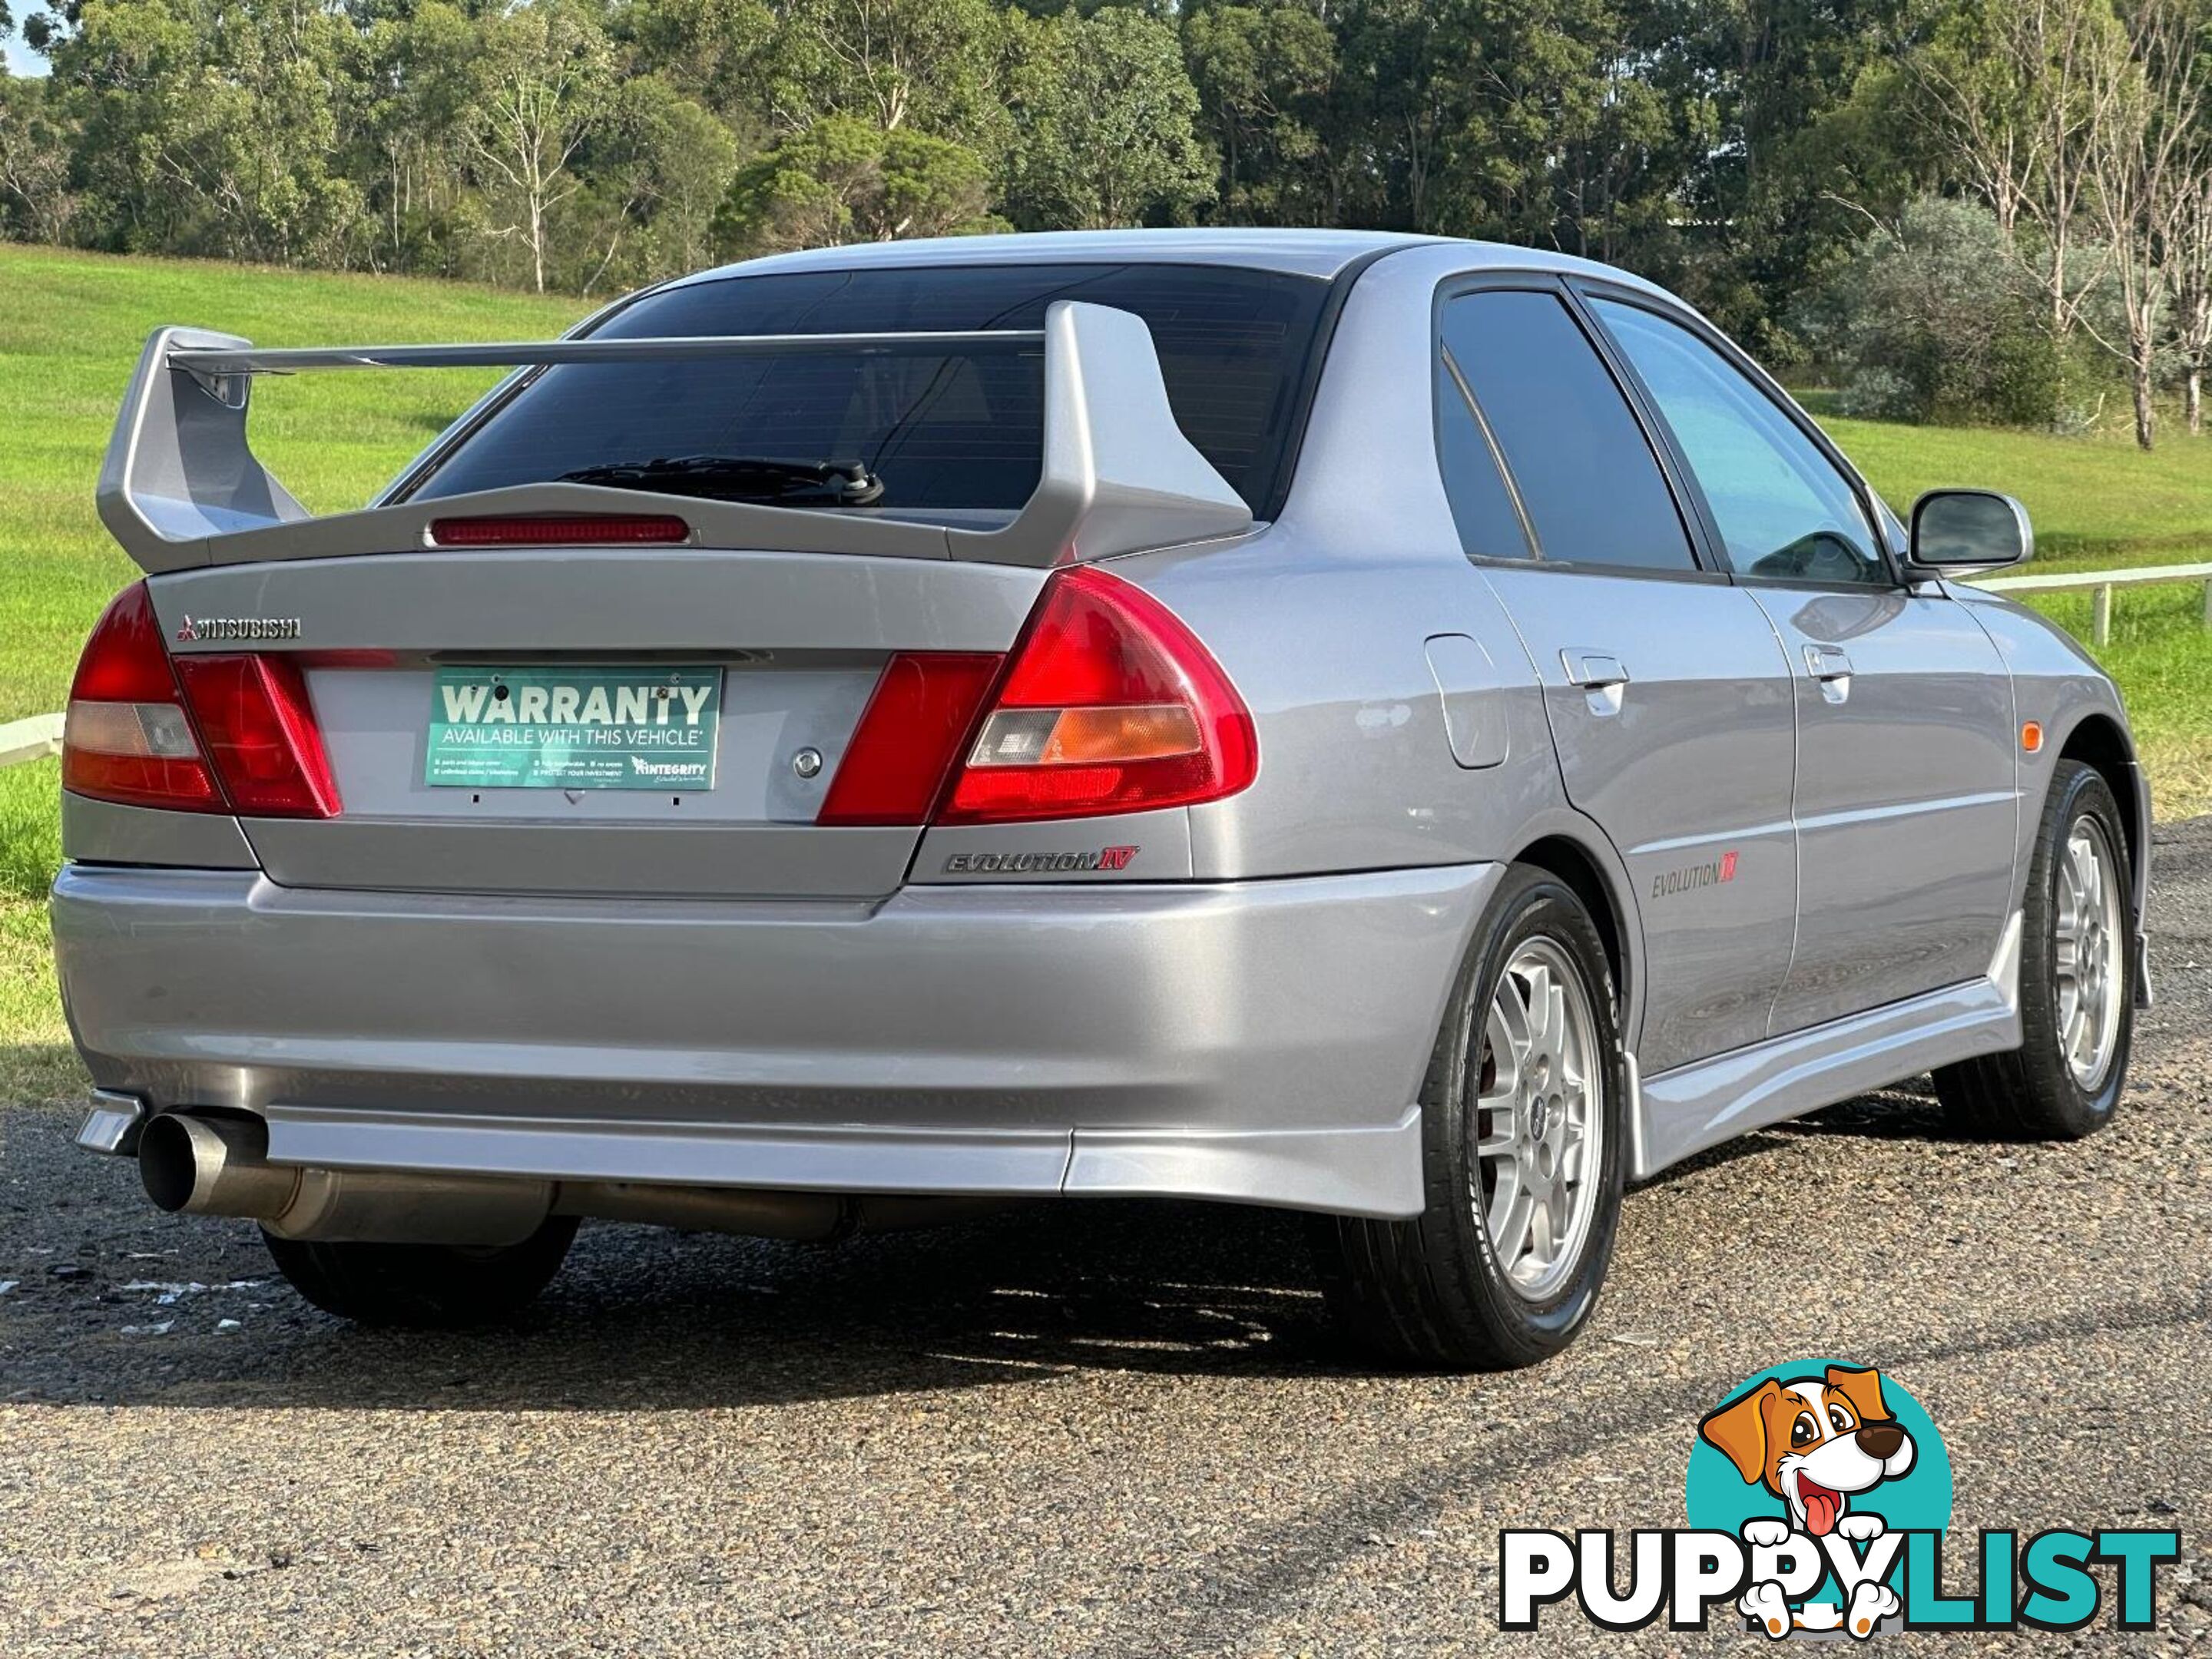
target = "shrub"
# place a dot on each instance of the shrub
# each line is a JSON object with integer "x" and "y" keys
{"x": 1934, "y": 321}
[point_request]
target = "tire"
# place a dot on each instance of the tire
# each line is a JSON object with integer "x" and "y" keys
{"x": 1434, "y": 1291}
{"x": 425, "y": 1286}
{"x": 2037, "y": 1092}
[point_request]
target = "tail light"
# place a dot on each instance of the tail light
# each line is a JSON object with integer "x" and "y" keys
{"x": 1108, "y": 704}
{"x": 923, "y": 709}
{"x": 126, "y": 737}
{"x": 227, "y": 733}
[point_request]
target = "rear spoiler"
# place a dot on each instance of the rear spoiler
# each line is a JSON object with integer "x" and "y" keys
{"x": 180, "y": 487}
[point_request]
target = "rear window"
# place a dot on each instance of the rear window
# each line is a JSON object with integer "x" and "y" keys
{"x": 956, "y": 432}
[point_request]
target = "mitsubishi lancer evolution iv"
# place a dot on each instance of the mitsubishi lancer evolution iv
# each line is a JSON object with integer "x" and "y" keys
{"x": 1416, "y": 732}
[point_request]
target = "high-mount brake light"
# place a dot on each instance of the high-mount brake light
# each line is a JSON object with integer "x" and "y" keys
{"x": 214, "y": 733}
{"x": 1107, "y": 704}
{"x": 562, "y": 530}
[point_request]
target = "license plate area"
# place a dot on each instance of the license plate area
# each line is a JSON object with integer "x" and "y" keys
{"x": 539, "y": 726}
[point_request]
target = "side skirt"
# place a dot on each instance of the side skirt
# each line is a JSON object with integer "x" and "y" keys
{"x": 1684, "y": 1111}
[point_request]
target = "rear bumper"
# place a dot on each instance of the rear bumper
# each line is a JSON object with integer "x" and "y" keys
{"x": 1259, "y": 1042}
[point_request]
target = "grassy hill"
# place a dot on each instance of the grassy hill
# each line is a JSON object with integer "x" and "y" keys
{"x": 70, "y": 335}
{"x": 74, "y": 324}
{"x": 2097, "y": 502}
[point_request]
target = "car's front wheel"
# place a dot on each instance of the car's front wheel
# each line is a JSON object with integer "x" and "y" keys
{"x": 1523, "y": 1130}
{"x": 2076, "y": 980}
{"x": 436, "y": 1286}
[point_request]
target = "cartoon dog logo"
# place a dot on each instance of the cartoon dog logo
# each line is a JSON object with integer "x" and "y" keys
{"x": 1815, "y": 1442}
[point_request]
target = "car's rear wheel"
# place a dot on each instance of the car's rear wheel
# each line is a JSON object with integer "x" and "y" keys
{"x": 1522, "y": 1147}
{"x": 434, "y": 1286}
{"x": 2076, "y": 980}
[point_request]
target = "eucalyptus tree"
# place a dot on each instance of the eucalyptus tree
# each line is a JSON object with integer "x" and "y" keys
{"x": 543, "y": 79}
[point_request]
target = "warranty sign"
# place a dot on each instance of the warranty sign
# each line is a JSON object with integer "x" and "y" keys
{"x": 585, "y": 728}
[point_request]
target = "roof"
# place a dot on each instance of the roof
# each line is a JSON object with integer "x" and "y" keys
{"x": 1294, "y": 253}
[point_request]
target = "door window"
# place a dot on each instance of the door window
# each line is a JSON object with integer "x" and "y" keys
{"x": 1782, "y": 508}
{"x": 1489, "y": 524}
{"x": 1592, "y": 489}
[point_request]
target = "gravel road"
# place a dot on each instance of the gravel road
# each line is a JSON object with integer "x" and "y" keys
{"x": 1098, "y": 1430}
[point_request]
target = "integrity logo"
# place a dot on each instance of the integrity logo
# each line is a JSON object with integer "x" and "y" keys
{"x": 671, "y": 769}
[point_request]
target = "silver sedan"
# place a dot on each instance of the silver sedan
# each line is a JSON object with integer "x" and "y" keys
{"x": 1417, "y": 731}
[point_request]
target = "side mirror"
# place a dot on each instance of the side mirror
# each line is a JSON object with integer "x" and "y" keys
{"x": 1969, "y": 530}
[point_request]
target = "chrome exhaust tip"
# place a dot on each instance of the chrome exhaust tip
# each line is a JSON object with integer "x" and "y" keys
{"x": 213, "y": 1165}
{"x": 196, "y": 1165}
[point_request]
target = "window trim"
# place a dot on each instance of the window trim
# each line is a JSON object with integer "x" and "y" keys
{"x": 1587, "y": 289}
{"x": 1706, "y": 564}
{"x": 1532, "y": 545}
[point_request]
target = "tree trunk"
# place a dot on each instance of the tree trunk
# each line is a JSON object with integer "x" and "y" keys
{"x": 2192, "y": 400}
{"x": 2140, "y": 375}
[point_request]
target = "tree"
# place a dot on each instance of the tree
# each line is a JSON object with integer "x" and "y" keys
{"x": 35, "y": 143}
{"x": 1105, "y": 119}
{"x": 2144, "y": 164}
{"x": 2021, "y": 96}
{"x": 844, "y": 180}
{"x": 210, "y": 128}
{"x": 712, "y": 51}
{"x": 656, "y": 174}
{"x": 410, "y": 117}
{"x": 1930, "y": 319}
{"x": 2189, "y": 254}
{"x": 1263, "y": 75}
{"x": 1530, "y": 82}
{"x": 543, "y": 79}
{"x": 1393, "y": 106}
{"x": 928, "y": 63}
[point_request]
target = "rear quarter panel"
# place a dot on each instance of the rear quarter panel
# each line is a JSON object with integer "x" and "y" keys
{"x": 1321, "y": 618}
{"x": 1356, "y": 764}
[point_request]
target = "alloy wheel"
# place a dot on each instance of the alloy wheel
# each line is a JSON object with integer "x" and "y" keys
{"x": 1539, "y": 1118}
{"x": 2087, "y": 964}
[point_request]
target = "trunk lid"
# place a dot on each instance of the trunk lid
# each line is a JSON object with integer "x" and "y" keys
{"x": 792, "y": 646}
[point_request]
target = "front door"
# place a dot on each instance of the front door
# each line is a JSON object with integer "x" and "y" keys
{"x": 1907, "y": 811}
{"x": 1905, "y": 806}
{"x": 1668, "y": 696}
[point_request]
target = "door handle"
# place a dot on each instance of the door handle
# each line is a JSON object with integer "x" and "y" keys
{"x": 1593, "y": 670}
{"x": 1832, "y": 666}
{"x": 1600, "y": 676}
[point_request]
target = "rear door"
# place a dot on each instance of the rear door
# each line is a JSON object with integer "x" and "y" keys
{"x": 1905, "y": 806}
{"x": 1668, "y": 696}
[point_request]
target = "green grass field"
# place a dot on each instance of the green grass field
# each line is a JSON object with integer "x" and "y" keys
{"x": 74, "y": 324}
{"x": 70, "y": 335}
